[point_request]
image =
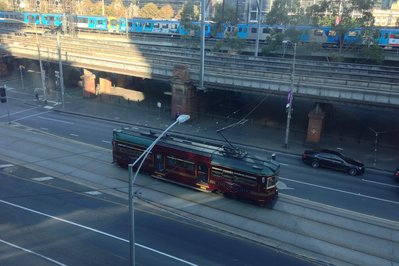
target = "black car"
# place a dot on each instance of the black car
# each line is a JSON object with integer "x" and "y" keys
{"x": 334, "y": 160}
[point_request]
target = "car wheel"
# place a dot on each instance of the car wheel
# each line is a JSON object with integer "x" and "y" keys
{"x": 352, "y": 171}
{"x": 315, "y": 164}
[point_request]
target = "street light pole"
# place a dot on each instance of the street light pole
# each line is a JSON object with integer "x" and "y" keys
{"x": 180, "y": 119}
{"x": 290, "y": 97}
{"x": 22, "y": 77}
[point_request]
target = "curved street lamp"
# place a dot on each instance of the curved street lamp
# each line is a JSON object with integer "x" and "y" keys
{"x": 180, "y": 119}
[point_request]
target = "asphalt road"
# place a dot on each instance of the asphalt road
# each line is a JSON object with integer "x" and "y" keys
{"x": 46, "y": 221}
{"x": 374, "y": 193}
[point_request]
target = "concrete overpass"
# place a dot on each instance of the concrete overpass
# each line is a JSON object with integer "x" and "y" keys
{"x": 221, "y": 72}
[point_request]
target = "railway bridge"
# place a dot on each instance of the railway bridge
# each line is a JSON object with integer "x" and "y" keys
{"x": 321, "y": 81}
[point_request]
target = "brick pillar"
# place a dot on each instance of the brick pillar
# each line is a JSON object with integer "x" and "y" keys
{"x": 105, "y": 86}
{"x": 89, "y": 83}
{"x": 183, "y": 93}
{"x": 315, "y": 126}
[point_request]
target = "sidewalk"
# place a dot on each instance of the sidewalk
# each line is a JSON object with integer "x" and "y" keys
{"x": 269, "y": 138}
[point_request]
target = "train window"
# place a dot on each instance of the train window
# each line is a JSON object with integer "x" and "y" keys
{"x": 332, "y": 33}
{"x": 165, "y": 26}
{"x": 147, "y": 25}
{"x": 394, "y": 36}
{"x": 266, "y": 30}
{"x": 129, "y": 24}
{"x": 156, "y": 25}
{"x": 173, "y": 26}
{"x": 318, "y": 32}
{"x": 385, "y": 35}
{"x": 239, "y": 29}
{"x": 352, "y": 33}
{"x": 254, "y": 30}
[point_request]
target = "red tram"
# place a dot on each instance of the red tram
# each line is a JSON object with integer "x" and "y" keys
{"x": 201, "y": 166}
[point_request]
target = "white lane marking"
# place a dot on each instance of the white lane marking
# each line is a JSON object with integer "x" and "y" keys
{"x": 93, "y": 193}
{"x": 30, "y": 116}
{"x": 43, "y": 178}
{"x": 96, "y": 231}
{"x": 106, "y": 141}
{"x": 282, "y": 185}
{"x": 379, "y": 183}
{"x": 56, "y": 120}
{"x": 44, "y": 128}
{"x": 32, "y": 252}
{"x": 342, "y": 191}
{"x": 25, "y": 110}
{"x": 73, "y": 135}
{"x": 6, "y": 165}
{"x": 49, "y": 107}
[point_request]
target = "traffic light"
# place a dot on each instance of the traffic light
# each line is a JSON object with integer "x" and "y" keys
{"x": 37, "y": 3}
{"x": 3, "y": 97}
{"x": 57, "y": 2}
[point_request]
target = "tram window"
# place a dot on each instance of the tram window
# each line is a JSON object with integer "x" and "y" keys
{"x": 395, "y": 36}
{"x": 318, "y": 33}
{"x": 177, "y": 163}
{"x": 332, "y": 33}
{"x": 240, "y": 30}
{"x": 385, "y": 35}
{"x": 254, "y": 30}
{"x": 129, "y": 24}
{"x": 147, "y": 25}
{"x": 156, "y": 25}
{"x": 164, "y": 26}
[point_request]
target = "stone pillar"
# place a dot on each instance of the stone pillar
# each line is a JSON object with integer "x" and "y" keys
{"x": 89, "y": 83}
{"x": 183, "y": 93}
{"x": 315, "y": 126}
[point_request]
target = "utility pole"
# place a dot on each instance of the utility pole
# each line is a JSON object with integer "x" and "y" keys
{"x": 259, "y": 4}
{"x": 202, "y": 55}
{"x": 42, "y": 72}
{"x": 61, "y": 72}
{"x": 290, "y": 98}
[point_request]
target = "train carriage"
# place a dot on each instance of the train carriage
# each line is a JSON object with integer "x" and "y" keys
{"x": 51, "y": 20}
{"x": 32, "y": 18}
{"x": 11, "y": 15}
{"x": 113, "y": 24}
{"x": 201, "y": 166}
{"x": 388, "y": 38}
{"x": 92, "y": 23}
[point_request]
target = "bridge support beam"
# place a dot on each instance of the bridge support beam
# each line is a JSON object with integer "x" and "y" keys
{"x": 315, "y": 125}
{"x": 184, "y": 94}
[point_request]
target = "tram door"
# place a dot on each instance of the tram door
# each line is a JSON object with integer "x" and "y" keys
{"x": 202, "y": 172}
{"x": 159, "y": 162}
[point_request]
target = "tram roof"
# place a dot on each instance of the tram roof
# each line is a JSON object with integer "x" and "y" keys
{"x": 217, "y": 153}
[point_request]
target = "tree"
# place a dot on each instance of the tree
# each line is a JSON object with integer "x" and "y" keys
{"x": 150, "y": 10}
{"x": 188, "y": 16}
{"x": 87, "y": 7}
{"x": 285, "y": 12}
{"x": 5, "y": 6}
{"x": 116, "y": 9}
{"x": 166, "y": 12}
